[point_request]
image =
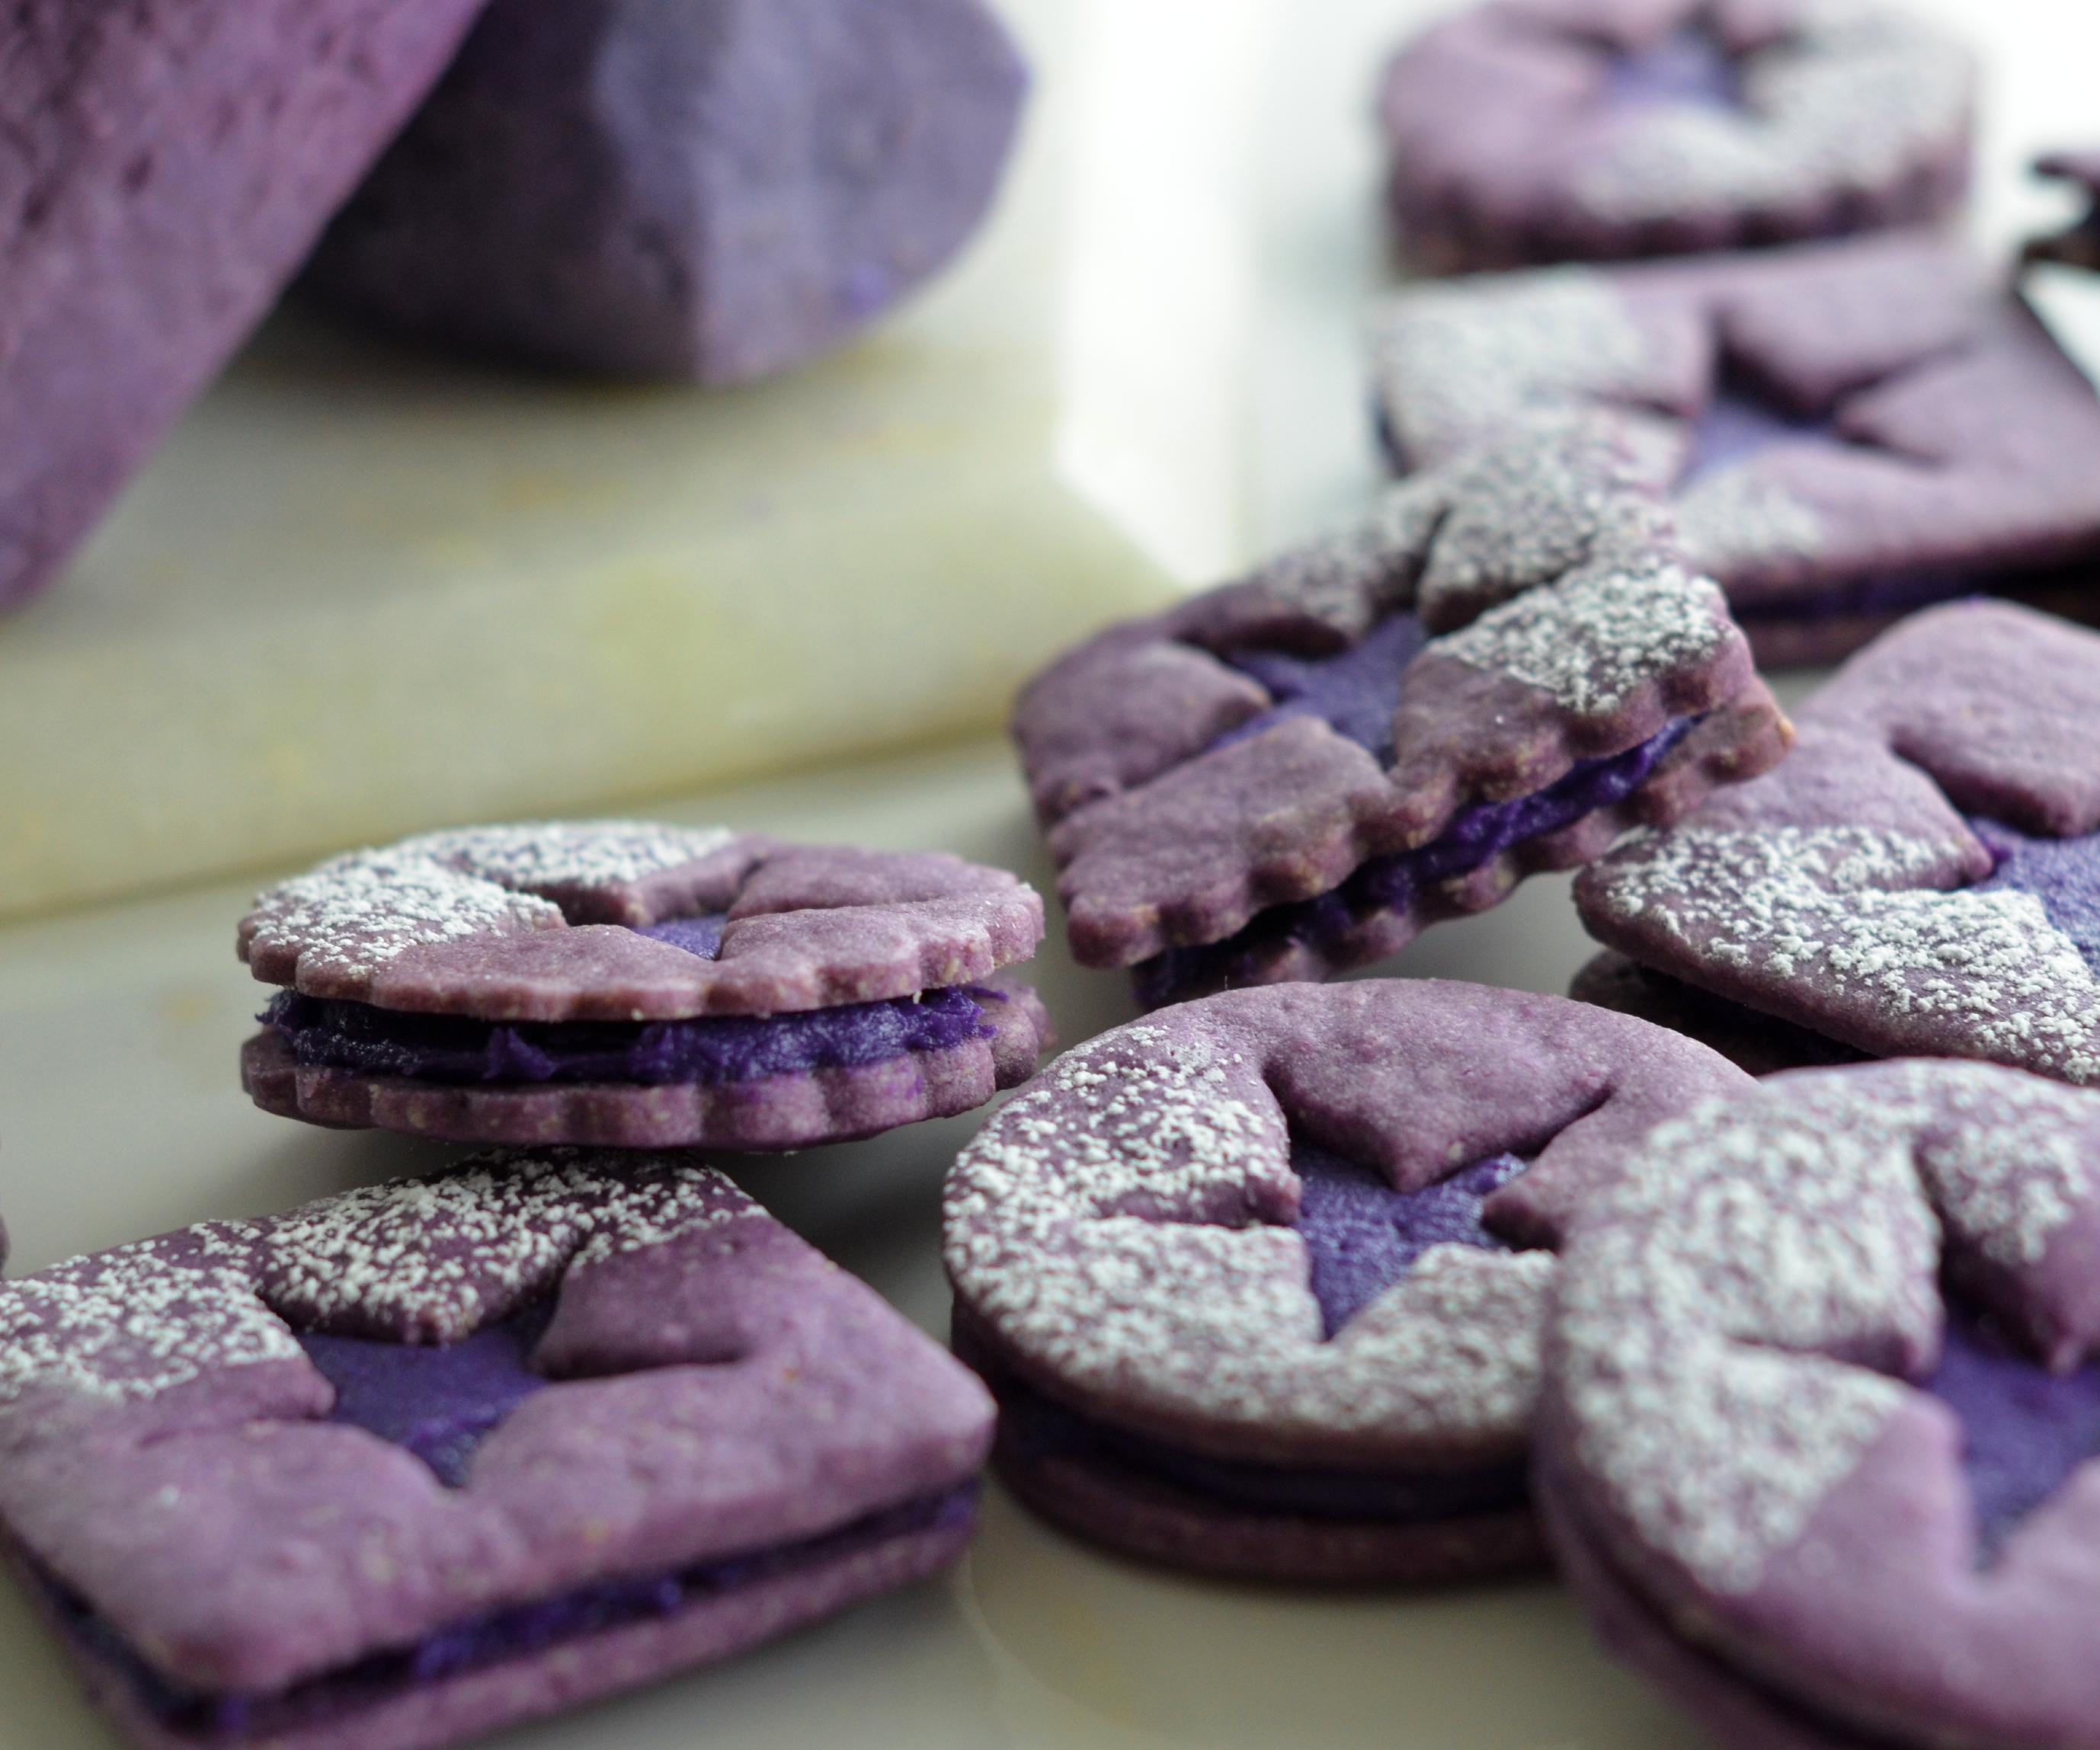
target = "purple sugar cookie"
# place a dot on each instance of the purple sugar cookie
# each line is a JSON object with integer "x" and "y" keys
{"x": 1529, "y": 131}
{"x": 170, "y": 166}
{"x": 2078, "y": 246}
{"x": 1846, "y": 431}
{"x": 1243, "y": 1276}
{"x": 409, "y": 1464}
{"x": 1921, "y": 876}
{"x": 1497, "y": 672}
{"x": 705, "y": 189}
{"x": 628, "y": 984}
{"x": 1819, "y": 1399}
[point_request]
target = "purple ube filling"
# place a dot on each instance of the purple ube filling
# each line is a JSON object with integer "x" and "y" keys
{"x": 493, "y": 1639}
{"x": 1688, "y": 66}
{"x": 440, "y": 1404}
{"x": 2024, "y": 1429}
{"x": 1361, "y": 1236}
{"x": 711, "y": 1051}
{"x": 1357, "y": 692}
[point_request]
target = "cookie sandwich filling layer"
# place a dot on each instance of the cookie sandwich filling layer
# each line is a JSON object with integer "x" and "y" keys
{"x": 1357, "y": 694}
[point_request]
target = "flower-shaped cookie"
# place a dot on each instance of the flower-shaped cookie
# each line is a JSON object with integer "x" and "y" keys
{"x": 637, "y": 985}
{"x": 1497, "y": 672}
{"x": 1818, "y": 1406}
{"x": 1241, "y": 1274}
{"x": 1846, "y": 430}
{"x": 1921, "y": 876}
{"x": 403, "y": 1466}
{"x": 1525, "y": 131}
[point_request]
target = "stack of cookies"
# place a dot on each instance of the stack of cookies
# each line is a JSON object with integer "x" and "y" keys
{"x": 1755, "y": 1284}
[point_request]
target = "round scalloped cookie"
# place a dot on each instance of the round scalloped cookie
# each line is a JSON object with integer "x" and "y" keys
{"x": 1919, "y": 877}
{"x": 1812, "y": 1441}
{"x": 1529, "y": 131}
{"x": 632, "y": 985}
{"x": 1243, "y": 1275}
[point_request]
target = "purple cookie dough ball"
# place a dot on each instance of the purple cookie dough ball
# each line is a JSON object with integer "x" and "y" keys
{"x": 705, "y": 189}
{"x": 168, "y": 166}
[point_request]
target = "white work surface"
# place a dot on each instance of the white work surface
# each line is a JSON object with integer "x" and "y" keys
{"x": 120, "y": 1115}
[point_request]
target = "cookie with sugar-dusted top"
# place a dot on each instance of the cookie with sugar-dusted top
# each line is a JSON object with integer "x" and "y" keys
{"x": 632, "y": 984}
{"x": 1819, "y": 1398}
{"x": 403, "y": 1466}
{"x": 1501, "y": 667}
{"x": 1845, "y": 431}
{"x": 1243, "y": 1273}
{"x": 2078, "y": 244}
{"x": 1531, "y": 132}
{"x": 1762, "y": 1044}
{"x": 1921, "y": 876}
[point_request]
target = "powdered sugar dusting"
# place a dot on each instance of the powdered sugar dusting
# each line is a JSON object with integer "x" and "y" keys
{"x": 135, "y": 1322}
{"x": 1462, "y": 362}
{"x": 532, "y": 856}
{"x": 432, "y": 1259}
{"x": 1811, "y": 908}
{"x": 427, "y": 1260}
{"x": 1754, "y": 1233}
{"x": 1110, "y": 1225}
{"x": 1848, "y": 103}
{"x": 1730, "y": 1240}
{"x": 1733, "y": 519}
{"x": 357, "y": 912}
{"x": 1352, "y": 577}
{"x": 1593, "y": 639}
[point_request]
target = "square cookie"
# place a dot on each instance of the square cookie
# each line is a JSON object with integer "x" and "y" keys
{"x": 401, "y": 1466}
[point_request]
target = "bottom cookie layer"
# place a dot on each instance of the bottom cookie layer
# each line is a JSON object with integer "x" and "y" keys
{"x": 797, "y": 1110}
{"x": 1741, "y": 1714}
{"x": 1759, "y": 1044}
{"x": 1136, "y": 1496}
{"x": 534, "y": 1661}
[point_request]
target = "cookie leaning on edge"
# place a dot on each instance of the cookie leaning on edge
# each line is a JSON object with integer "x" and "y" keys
{"x": 1241, "y": 1277}
{"x": 1499, "y": 671}
{"x": 1919, "y": 877}
{"x": 1525, "y": 131}
{"x": 630, "y": 985}
{"x": 1819, "y": 1405}
{"x": 409, "y": 1464}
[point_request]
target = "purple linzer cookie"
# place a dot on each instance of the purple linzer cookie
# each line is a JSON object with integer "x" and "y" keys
{"x": 1847, "y": 431}
{"x": 628, "y": 984}
{"x": 169, "y": 165}
{"x": 411, "y": 1463}
{"x": 704, "y": 189}
{"x": 2078, "y": 246}
{"x": 1242, "y": 1275}
{"x": 1818, "y": 1403}
{"x": 1497, "y": 672}
{"x": 1529, "y": 131}
{"x": 1921, "y": 876}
